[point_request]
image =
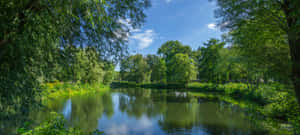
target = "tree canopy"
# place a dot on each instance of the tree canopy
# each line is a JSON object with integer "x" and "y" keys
{"x": 44, "y": 40}
{"x": 276, "y": 20}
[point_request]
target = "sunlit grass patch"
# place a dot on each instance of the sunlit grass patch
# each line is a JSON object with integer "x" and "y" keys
{"x": 58, "y": 89}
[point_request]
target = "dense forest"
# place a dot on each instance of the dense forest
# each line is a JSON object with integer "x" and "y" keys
{"x": 82, "y": 41}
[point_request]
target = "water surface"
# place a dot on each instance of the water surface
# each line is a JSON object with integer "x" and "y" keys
{"x": 147, "y": 112}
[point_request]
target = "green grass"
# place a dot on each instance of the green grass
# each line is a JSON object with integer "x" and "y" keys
{"x": 125, "y": 84}
{"x": 58, "y": 89}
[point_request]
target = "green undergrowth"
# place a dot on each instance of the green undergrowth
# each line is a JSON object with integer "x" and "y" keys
{"x": 236, "y": 90}
{"x": 55, "y": 125}
{"x": 256, "y": 113}
{"x": 54, "y": 90}
{"x": 125, "y": 84}
{"x": 274, "y": 105}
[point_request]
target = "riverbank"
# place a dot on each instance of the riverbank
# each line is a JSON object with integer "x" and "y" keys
{"x": 269, "y": 105}
{"x": 238, "y": 91}
{"x": 58, "y": 89}
{"x": 56, "y": 122}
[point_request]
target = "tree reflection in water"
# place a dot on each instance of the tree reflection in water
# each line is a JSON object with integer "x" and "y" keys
{"x": 140, "y": 111}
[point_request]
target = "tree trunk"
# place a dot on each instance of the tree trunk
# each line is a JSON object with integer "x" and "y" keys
{"x": 293, "y": 32}
{"x": 295, "y": 55}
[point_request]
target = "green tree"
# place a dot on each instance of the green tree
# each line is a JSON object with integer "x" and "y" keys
{"x": 158, "y": 68}
{"x": 81, "y": 65}
{"x": 181, "y": 69}
{"x": 110, "y": 74}
{"x": 135, "y": 68}
{"x": 169, "y": 49}
{"x": 209, "y": 60}
{"x": 159, "y": 71}
{"x": 33, "y": 32}
{"x": 275, "y": 15}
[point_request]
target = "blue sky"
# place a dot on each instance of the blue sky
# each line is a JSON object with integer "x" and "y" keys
{"x": 190, "y": 21}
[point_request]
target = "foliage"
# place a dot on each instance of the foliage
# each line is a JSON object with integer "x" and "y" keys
{"x": 93, "y": 23}
{"x": 282, "y": 106}
{"x": 36, "y": 35}
{"x": 209, "y": 60}
{"x": 135, "y": 68}
{"x": 168, "y": 50}
{"x": 81, "y": 65}
{"x": 158, "y": 68}
{"x": 276, "y": 106}
{"x": 109, "y": 74}
{"x": 181, "y": 69}
{"x": 270, "y": 24}
{"x": 176, "y": 65}
{"x": 54, "y": 126}
{"x": 57, "y": 89}
{"x": 171, "y": 48}
{"x": 238, "y": 91}
{"x": 125, "y": 84}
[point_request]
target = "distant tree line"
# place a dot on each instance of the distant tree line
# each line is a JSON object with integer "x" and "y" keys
{"x": 174, "y": 65}
{"x": 214, "y": 62}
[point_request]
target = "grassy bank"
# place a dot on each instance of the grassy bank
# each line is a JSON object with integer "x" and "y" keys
{"x": 148, "y": 85}
{"x": 58, "y": 89}
{"x": 55, "y": 125}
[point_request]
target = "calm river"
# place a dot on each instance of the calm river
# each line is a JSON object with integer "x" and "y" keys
{"x": 151, "y": 112}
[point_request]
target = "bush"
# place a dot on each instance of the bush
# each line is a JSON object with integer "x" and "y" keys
{"x": 54, "y": 126}
{"x": 204, "y": 86}
{"x": 234, "y": 90}
{"x": 283, "y": 105}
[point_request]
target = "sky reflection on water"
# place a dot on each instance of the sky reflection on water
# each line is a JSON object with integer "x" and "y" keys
{"x": 148, "y": 112}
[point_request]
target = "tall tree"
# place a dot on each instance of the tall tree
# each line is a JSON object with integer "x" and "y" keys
{"x": 135, "y": 68}
{"x": 181, "y": 69}
{"x": 283, "y": 15}
{"x": 208, "y": 61}
{"x": 169, "y": 49}
{"x": 158, "y": 68}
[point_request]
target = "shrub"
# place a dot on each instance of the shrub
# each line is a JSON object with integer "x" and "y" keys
{"x": 54, "y": 126}
{"x": 283, "y": 105}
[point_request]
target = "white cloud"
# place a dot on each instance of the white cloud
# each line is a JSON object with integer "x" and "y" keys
{"x": 168, "y": 1}
{"x": 144, "y": 38}
{"x": 127, "y": 23}
{"x": 212, "y": 26}
{"x": 127, "y": 29}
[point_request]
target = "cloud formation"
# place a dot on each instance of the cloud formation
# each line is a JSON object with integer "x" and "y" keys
{"x": 144, "y": 38}
{"x": 125, "y": 33}
{"x": 212, "y": 26}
